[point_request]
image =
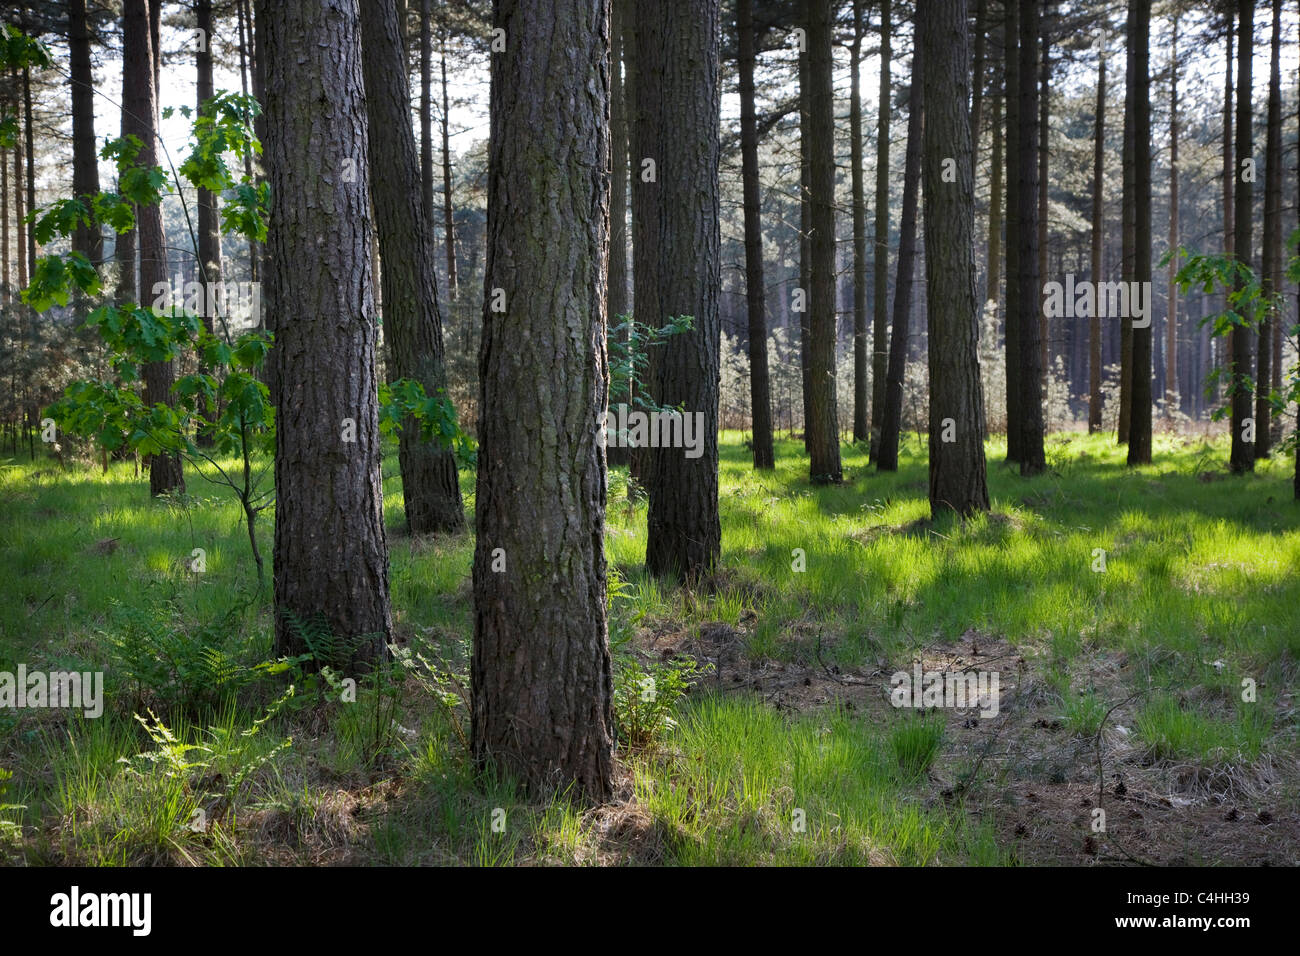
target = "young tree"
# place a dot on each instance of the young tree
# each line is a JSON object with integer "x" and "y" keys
{"x": 957, "y": 468}
{"x": 140, "y": 119}
{"x": 1012, "y": 318}
{"x": 676, "y": 267}
{"x": 412, "y": 322}
{"x": 1032, "y": 460}
{"x": 891, "y": 425}
{"x": 821, "y": 420}
{"x": 541, "y": 671}
{"x": 1242, "y": 456}
{"x": 331, "y": 552}
{"x": 880, "y": 262}
{"x": 1139, "y": 54}
{"x": 760, "y": 400}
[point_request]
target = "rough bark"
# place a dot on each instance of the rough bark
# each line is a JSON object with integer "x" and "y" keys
{"x": 677, "y": 271}
{"x": 880, "y": 262}
{"x": 412, "y": 321}
{"x": 891, "y": 424}
{"x": 1139, "y": 53}
{"x": 957, "y": 468}
{"x": 1128, "y": 241}
{"x": 760, "y": 399}
{"x": 805, "y": 222}
{"x": 1242, "y": 455}
{"x": 331, "y": 552}
{"x": 541, "y": 671}
{"x": 1011, "y": 320}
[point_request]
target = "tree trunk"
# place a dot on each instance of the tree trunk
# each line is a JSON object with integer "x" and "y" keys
{"x": 542, "y": 684}
{"x": 996, "y": 200}
{"x": 804, "y": 8}
{"x": 1272, "y": 271}
{"x": 1011, "y": 321}
{"x": 1128, "y": 207}
{"x": 977, "y": 75}
{"x": 1032, "y": 459}
{"x": 245, "y": 29}
{"x": 1171, "y": 323}
{"x": 1098, "y": 224}
{"x": 677, "y": 271}
{"x": 1044, "y": 100}
{"x": 331, "y": 551}
{"x": 30, "y": 142}
{"x": 760, "y": 400}
{"x": 891, "y": 424}
{"x": 821, "y": 417}
{"x": 957, "y": 469}
{"x": 880, "y": 261}
{"x": 448, "y": 222}
{"x": 426, "y": 114}
{"x": 85, "y": 161}
{"x": 619, "y": 307}
{"x": 861, "y": 410}
{"x": 1139, "y": 54}
{"x": 209, "y": 224}
{"x": 1242, "y": 456}
{"x": 139, "y": 119}
{"x": 412, "y": 322}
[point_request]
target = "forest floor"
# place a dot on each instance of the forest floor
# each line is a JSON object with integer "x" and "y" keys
{"x": 1155, "y": 682}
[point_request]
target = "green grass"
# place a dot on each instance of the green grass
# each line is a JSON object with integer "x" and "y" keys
{"x": 1200, "y": 592}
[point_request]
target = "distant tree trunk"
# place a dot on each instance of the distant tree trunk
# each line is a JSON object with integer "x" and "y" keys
{"x": 412, "y": 322}
{"x": 4, "y": 226}
{"x": 155, "y": 42}
{"x": 1011, "y": 321}
{"x": 891, "y": 425}
{"x": 821, "y": 416}
{"x": 804, "y": 8}
{"x": 426, "y": 114}
{"x": 246, "y": 28}
{"x": 209, "y": 224}
{"x": 619, "y": 306}
{"x": 880, "y": 261}
{"x": 449, "y": 224}
{"x": 957, "y": 468}
{"x": 1128, "y": 206}
{"x": 541, "y": 671}
{"x": 760, "y": 400}
{"x": 677, "y": 271}
{"x": 996, "y": 199}
{"x": 1272, "y": 271}
{"x": 1139, "y": 53}
{"x": 641, "y": 201}
{"x": 1044, "y": 126}
{"x": 139, "y": 119}
{"x": 85, "y": 161}
{"x": 30, "y": 141}
{"x": 331, "y": 551}
{"x": 1171, "y": 324}
{"x": 1032, "y": 459}
{"x": 977, "y": 74}
{"x": 1220, "y": 346}
{"x": 1242, "y": 456}
{"x": 1098, "y": 247}
{"x": 861, "y": 409}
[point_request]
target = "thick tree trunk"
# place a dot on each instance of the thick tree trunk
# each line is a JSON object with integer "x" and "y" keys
{"x": 1272, "y": 271}
{"x": 1098, "y": 247}
{"x": 412, "y": 322}
{"x": 821, "y": 416}
{"x": 957, "y": 469}
{"x": 1242, "y": 456}
{"x": 804, "y": 8}
{"x": 542, "y": 684}
{"x": 880, "y": 261}
{"x": 1128, "y": 215}
{"x": 1032, "y": 459}
{"x": 760, "y": 400}
{"x": 1139, "y": 53}
{"x": 891, "y": 424}
{"x": 861, "y": 409}
{"x": 85, "y": 161}
{"x": 331, "y": 551}
{"x": 139, "y": 119}
{"x": 677, "y": 250}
